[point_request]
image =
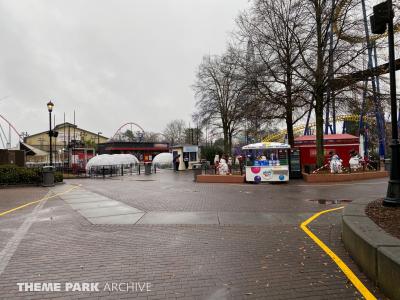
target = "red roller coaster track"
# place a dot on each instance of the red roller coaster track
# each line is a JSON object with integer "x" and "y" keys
{"x": 12, "y": 127}
{"x": 128, "y": 123}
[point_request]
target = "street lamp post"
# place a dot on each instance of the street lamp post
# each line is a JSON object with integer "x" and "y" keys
{"x": 383, "y": 15}
{"x": 98, "y": 140}
{"x": 393, "y": 192}
{"x": 50, "y": 106}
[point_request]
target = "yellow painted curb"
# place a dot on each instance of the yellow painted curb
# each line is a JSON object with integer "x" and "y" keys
{"x": 345, "y": 269}
{"x": 36, "y": 201}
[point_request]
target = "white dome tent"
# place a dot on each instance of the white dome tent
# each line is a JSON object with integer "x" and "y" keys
{"x": 112, "y": 160}
{"x": 111, "y": 163}
{"x": 163, "y": 160}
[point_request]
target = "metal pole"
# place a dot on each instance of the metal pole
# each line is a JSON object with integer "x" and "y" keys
{"x": 393, "y": 192}
{"x": 63, "y": 157}
{"x": 378, "y": 109}
{"x": 69, "y": 152}
{"x": 55, "y": 141}
{"x": 73, "y": 146}
{"x": 9, "y": 136}
{"x": 50, "y": 135}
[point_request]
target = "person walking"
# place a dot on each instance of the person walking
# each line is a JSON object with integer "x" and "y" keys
{"x": 177, "y": 162}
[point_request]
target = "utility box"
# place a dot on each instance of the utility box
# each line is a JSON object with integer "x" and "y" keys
{"x": 14, "y": 157}
{"x": 48, "y": 176}
{"x": 294, "y": 161}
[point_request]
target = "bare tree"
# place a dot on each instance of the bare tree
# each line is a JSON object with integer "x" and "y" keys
{"x": 218, "y": 89}
{"x": 174, "y": 132}
{"x": 317, "y": 53}
{"x": 153, "y": 137}
{"x": 272, "y": 27}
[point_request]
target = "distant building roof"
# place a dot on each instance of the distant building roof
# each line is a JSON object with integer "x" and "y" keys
{"x": 30, "y": 150}
{"x": 67, "y": 124}
{"x": 342, "y": 136}
{"x": 183, "y": 145}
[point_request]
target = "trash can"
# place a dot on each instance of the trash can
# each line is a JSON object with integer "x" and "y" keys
{"x": 197, "y": 170}
{"x": 147, "y": 168}
{"x": 48, "y": 176}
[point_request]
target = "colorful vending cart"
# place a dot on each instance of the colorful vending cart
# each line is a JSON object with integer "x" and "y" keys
{"x": 267, "y": 162}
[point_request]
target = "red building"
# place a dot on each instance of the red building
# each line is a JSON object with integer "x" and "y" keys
{"x": 144, "y": 151}
{"x": 340, "y": 144}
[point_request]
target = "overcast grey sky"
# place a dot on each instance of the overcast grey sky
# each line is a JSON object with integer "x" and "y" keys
{"x": 113, "y": 61}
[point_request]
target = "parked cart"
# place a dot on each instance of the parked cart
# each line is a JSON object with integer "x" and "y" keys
{"x": 267, "y": 162}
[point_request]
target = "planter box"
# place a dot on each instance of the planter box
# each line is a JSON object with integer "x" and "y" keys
{"x": 344, "y": 177}
{"x": 220, "y": 178}
{"x": 376, "y": 252}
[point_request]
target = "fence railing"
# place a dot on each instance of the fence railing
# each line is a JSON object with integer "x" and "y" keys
{"x": 235, "y": 169}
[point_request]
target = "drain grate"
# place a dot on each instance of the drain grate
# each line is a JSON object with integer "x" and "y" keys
{"x": 330, "y": 201}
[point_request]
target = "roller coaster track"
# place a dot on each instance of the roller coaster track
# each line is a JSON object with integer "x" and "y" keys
{"x": 280, "y": 136}
{"x": 353, "y": 38}
{"x": 118, "y": 132}
{"x": 11, "y": 126}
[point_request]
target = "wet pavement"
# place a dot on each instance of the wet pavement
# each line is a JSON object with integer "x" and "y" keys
{"x": 188, "y": 240}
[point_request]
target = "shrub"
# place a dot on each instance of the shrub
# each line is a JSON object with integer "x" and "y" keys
{"x": 208, "y": 153}
{"x": 58, "y": 177}
{"x": 12, "y": 174}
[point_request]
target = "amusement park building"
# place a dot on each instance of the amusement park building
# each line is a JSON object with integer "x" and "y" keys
{"x": 340, "y": 144}
{"x": 69, "y": 136}
{"x": 144, "y": 151}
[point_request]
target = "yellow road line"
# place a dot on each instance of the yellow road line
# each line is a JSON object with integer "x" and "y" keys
{"x": 36, "y": 201}
{"x": 346, "y": 270}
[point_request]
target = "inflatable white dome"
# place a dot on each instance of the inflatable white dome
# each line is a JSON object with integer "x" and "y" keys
{"x": 163, "y": 160}
{"x": 112, "y": 160}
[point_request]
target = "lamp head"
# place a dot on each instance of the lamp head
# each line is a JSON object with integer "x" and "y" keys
{"x": 50, "y": 106}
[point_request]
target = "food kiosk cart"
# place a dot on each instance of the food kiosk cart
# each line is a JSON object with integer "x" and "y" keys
{"x": 267, "y": 162}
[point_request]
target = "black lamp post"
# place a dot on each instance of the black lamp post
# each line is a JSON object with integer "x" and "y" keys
{"x": 98, "y": 140}
{"x": 383, "y": 15}
{"x": 50, "y": 106}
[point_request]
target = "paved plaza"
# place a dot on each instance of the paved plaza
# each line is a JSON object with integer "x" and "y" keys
{"x": 185, "y": 240}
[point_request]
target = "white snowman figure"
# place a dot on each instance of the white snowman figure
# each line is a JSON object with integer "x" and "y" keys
{"x": 223, "y": 167}
{"x": 216, "y": 159}
{"x": 336, "y": 164}
{"x": 354, "y": 162}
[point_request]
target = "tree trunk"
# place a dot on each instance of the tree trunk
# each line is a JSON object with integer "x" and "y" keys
{"x": 230, "y": 144}
{"x": 289, "y": 105}
{"x": 226, "y": 140}
{"x": 319, "y": 124}
{"x": 318, "y": 87}
{"x": 289, "y": 126}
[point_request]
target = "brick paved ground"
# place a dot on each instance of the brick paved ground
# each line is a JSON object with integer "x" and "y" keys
{"x": 10, "y": 198}
{"x": 186, "y": 261}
